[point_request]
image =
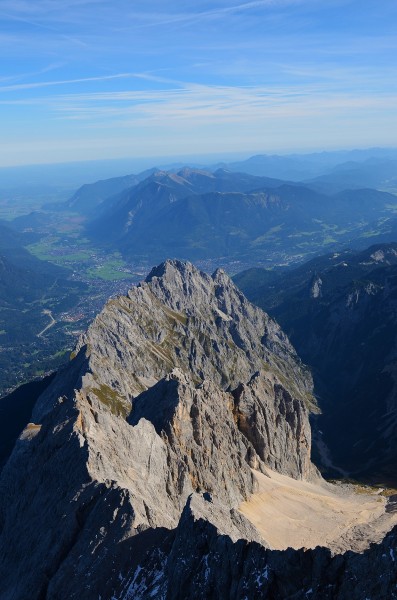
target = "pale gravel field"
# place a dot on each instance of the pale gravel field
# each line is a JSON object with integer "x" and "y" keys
{"x": 299, "y": 514}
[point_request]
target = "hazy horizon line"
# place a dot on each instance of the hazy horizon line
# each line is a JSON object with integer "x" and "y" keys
{"x": 238, "y": 155}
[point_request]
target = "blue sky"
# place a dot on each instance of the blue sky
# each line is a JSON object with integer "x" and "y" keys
{"x": 87, "y": 79}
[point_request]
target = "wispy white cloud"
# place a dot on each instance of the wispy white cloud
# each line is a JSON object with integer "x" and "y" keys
{"x": 156, "y": 19}
{"x": 19, "y": 76}
{"x": 45, "y": 27}
{"x": 48, "y": 9}
{"x": 43, "y": 84}
{"x": 54, "y": 16}
{"x": 213, "y": 104}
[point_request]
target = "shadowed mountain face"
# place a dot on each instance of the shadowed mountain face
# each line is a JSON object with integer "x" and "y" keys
{"x": 22, "y": 274}
{"x": 195, "y": 561}
{"x": 340, "y": 313}
{"x": 200, "y": 215}
{"x": 93, "y": 198}
{"x": 12, "y": 244}
{"x": 15, "y": 412}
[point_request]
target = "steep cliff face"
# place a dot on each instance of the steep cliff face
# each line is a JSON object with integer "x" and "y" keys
{"x": 180, "y": 388}
{"x": 261, "y": 406}
{"x": 198, "y": 427}
{"x": 340, "y": 312}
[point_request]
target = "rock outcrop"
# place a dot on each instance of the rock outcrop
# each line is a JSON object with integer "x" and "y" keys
{"x": 200, "y": 432}
{"x": 175, "y": 393}
{"x": 261, "y": 406}
{"x": 202, "y": 325}
{"x": 197, "y": 561}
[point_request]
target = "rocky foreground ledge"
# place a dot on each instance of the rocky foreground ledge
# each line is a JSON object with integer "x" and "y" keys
{"x": 127, "y": 484}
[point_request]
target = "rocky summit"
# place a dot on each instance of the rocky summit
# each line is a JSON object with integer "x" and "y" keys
{"x": 127, "y": 483}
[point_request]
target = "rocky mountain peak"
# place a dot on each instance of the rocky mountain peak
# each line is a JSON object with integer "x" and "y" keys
{"x": 180, "y": 388}
{"x": 171, "y": 271}
{"x": 187, "y": 323}
{"x": 168, "y": 178}
{"x": 220, "y": 277}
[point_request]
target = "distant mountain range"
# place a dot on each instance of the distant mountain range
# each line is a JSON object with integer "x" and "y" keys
{"x": 55, "y": 182}
{"x": 96, "y": 198}
{"x": 195, "y": 214}
{"x": 302, "y": 167}
{"x": 269, "y": 208}
{"x": 372, "y": 173}
{"x": 340, "y": 312}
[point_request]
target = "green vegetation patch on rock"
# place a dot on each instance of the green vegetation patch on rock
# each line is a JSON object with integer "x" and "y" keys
{"x": 116, "y": 404}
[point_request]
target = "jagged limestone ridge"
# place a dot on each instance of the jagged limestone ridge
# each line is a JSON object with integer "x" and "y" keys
{"x": 181, "y": 317}
{"x": 190, "y": 362}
